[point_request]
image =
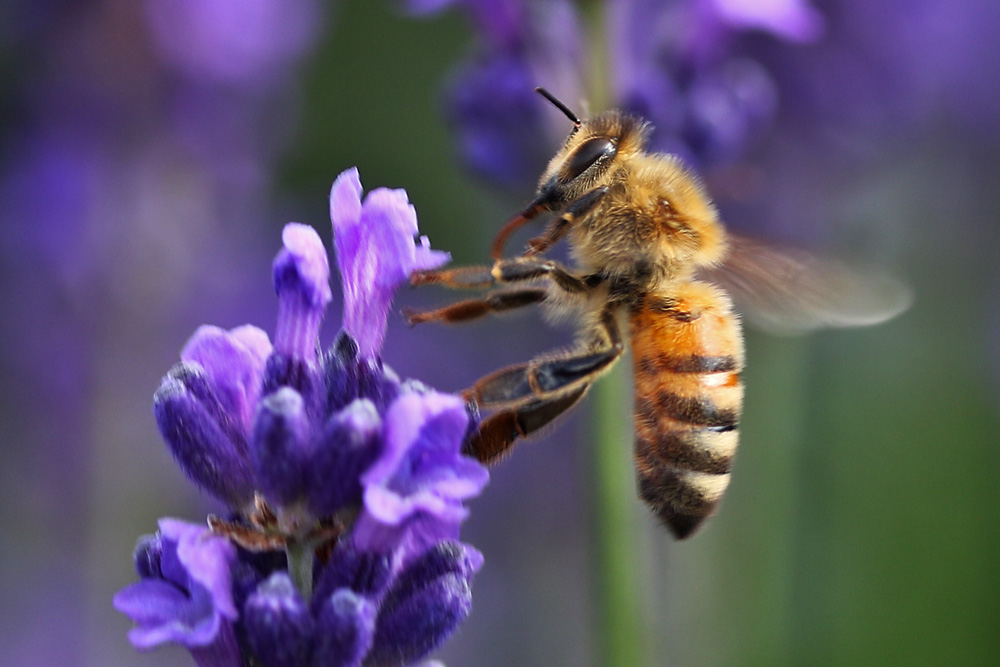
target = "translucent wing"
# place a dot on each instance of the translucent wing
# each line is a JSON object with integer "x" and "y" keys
{"x": 789, "y": 291}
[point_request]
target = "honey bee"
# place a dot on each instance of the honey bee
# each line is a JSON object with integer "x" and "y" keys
{"x": 654, "y": 268}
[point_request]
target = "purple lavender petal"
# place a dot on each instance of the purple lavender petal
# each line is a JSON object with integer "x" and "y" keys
{"x": 408, "y": 538}
{"x": 193, "y": 604}
{"x": 302, "y": 280}
{"x": 413, "y": 492}
{"x": 375, "y": 253}
{"x": 278, "y": 624}
{"x": 421, "y": 467}
{"x": 345, "y": 628}
{"x": 207, "y": 558}
{"x": 152, "y": 601}
{"x": 418, "y": 624}
{"x": 234, "y": 361}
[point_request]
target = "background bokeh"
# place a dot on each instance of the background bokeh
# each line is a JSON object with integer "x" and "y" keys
{"x": 151, "y": 151}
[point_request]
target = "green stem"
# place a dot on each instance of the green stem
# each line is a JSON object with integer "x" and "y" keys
{"x": 300, "y": 566}
{"x": 598, "y": 82}
{"x": 619, "y": 598}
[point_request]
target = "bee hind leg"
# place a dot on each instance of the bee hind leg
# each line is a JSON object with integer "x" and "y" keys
{"x": 498, "y": 432}
{"x": 545, "y": 378}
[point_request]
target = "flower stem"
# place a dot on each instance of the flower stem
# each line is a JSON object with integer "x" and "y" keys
{"x": 619, "y": 598}
{"x": 300, "y": 566}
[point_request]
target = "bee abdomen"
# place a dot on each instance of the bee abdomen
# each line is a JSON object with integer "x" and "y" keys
{"x": 688, "y": 358}
{"x": 682, "y": 468}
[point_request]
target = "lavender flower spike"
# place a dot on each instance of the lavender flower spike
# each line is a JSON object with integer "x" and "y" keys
{"x": 375, "y": 253}
{"x": 328, "y": 455}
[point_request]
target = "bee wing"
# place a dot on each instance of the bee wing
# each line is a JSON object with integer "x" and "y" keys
{"x": 788, "y": 291}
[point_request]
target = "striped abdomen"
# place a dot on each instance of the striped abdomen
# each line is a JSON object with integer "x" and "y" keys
{"x": 688, "y": 355}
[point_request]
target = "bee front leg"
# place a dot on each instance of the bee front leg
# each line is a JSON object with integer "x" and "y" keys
{"x": 471, "y": 309}
{"x": 558, "y": 227}
{"x": 504, "y": 271}
{"x": 467, "y": 277}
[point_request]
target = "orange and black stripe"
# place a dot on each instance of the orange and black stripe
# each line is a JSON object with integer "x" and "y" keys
{"x": 688, "y": 355}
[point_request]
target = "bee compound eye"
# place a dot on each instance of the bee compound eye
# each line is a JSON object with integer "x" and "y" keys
{"x": 588, "y": 154}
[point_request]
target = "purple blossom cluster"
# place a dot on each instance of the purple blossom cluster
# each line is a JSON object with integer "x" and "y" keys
{"x": 668, "y": 61}
{"x": 714, "y": 77}
{"x": 345, "y": 484}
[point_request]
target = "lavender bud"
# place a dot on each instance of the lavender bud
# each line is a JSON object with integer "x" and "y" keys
{"x": 349, "y": 377}
{"x": 207, "y": 454}
{"x": 448, "y": 557}
{"x": 282, "y": 370}
{"x": 418, "y": 624}
{"x": 338, "y": 365}
{"x": 348, "y": 445}
{"x": 281, "y": 446}
{"x": 345, "y": 625}
{"x": 279, "y": 627}
{"x": 364, "y": 572}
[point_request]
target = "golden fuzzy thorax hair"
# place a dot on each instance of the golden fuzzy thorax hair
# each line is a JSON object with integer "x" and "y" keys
{"x": 656, "y": 212}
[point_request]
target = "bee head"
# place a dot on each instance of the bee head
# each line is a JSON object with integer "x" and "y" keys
{"x": 593, "y": 155}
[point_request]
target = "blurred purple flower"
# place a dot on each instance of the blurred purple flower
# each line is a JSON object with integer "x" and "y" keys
{"x": 790, "y": 19}
{"x": 309, "y": 449}
{"x": 244, "y": 43}
{"x": 670, "y": 62}
{"x": 738, "y": 89}
{"x": 496, "y": 116}
{"x": 184, "y": 594}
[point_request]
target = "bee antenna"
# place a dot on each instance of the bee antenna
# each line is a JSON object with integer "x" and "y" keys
{"x": 558, "y": 105}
